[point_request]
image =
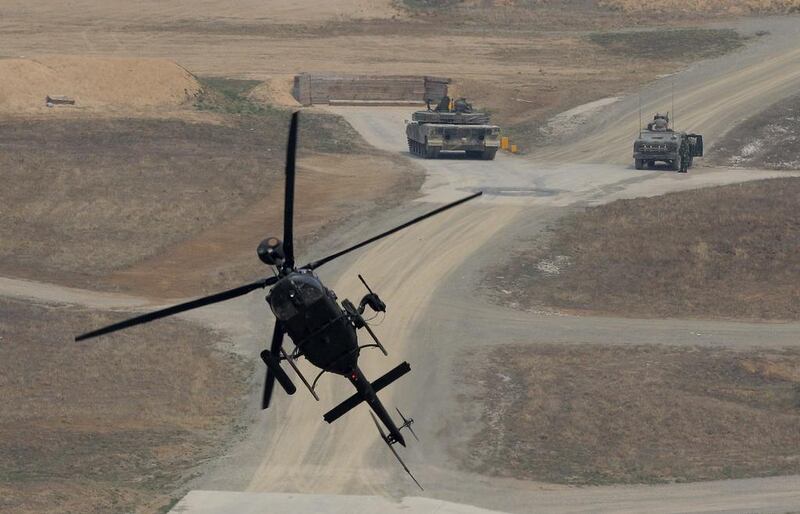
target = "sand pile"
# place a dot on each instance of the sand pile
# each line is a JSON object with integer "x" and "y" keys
{"x": 711, "y": 6}
{"x": 95, "y": 83}
{"x": 276, "y": 91}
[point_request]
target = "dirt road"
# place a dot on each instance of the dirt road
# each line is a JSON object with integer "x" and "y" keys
{"x": 427, "y": 276}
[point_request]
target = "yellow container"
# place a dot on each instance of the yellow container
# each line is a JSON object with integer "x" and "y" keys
{"x": 513, "y": 148}
{"x": 504, "y": 142}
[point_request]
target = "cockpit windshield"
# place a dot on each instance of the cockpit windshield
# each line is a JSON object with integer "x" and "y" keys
{"x": 310, "y": 292}
{"x": 293, "y": 294}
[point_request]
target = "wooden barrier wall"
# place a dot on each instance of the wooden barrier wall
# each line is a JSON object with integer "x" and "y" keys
{"x": 312, "y": 89}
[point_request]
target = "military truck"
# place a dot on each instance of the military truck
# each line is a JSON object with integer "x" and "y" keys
{"x": 452, "y": 128}
{"x": 659, "y": 143}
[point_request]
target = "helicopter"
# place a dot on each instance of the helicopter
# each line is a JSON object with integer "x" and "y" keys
{"x": 322, "y": 329}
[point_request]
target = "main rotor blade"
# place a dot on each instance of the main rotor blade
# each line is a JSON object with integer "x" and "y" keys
{"x": 320, "y": 262}
{"x": 288, "y": 200}
{"x": 274, "y": 349}
{"x": 175, "y": 309}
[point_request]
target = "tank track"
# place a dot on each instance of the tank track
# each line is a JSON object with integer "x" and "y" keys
{"x": 420, "y": 150}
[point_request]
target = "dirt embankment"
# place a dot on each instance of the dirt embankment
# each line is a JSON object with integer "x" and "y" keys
{"x": 588, "y": 414}
{"x": 721, "y": 252}
{"x": 768, "y": 140}
{"x": 110, "y": 425}
{"x": 96, "y": 84}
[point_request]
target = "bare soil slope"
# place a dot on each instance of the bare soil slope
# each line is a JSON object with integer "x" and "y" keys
{"x": 590, "y": 414}
{"x": 112, "y": 424}
{"x": 95, "y": 83}
{"x": 769, "y": 140}
{"x": 718, "y": 252}
{"x": 276, "y": 91}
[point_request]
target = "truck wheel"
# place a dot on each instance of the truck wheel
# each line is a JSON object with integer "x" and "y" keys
{"x": 410, "y": 145}
{"x": 638, "y": 164}
{"x": 676, "y": 164}
{"x": 488, "y": 154}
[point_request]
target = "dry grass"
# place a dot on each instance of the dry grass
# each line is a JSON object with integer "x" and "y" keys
{"x": 588, "y": 414}
{"x": 109, "y": 425}
{"x": 722, "y": 252}
{"x": 525, "y": 61}
{"x": 725, "y": 7}
{"x": 85, "y": 199}
{"x": 566, "y": 14}
{"x": 76, "y": 192}
{"x": 770, "y": 139}
{"x": 672, "y": 44}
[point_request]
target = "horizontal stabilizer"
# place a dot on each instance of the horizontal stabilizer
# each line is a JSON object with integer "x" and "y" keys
{"x": 341, "y": 409}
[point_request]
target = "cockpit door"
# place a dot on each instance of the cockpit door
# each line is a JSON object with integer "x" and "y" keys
{"x": 696, "y": 144}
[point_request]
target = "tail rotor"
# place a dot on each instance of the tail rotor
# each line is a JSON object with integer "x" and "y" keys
{"x": 407, "y": 424}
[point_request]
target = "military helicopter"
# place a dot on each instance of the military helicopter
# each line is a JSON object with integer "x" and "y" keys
{"x": 322, "y": 330}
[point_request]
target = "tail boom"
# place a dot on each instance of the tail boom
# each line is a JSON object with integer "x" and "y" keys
{"x": 366, "y": 392}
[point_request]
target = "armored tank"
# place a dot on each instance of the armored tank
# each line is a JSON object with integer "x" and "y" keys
{"x": 452, "y": 128}
{"x": 659, "y": 143}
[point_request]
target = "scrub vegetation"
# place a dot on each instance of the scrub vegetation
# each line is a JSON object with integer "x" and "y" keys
{"x": 721, "y": 252}
{"x": 591, "y": 414}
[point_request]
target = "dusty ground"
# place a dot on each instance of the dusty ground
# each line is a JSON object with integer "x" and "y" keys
{"x": 578, "y": 14}
{"x": 718, "y": 252}
{"x": 164, "y": 195}
{"x": 108, "y": 426}
{"x": 523, "y": 62}
{"x": 569, "y": 414}
{"x": 767, "y": 140}
{"x": 429, "y": 322}
{"x": 78, "y": 191}
{"x": 707, "y": 7}
{"x": 427, "y": 327}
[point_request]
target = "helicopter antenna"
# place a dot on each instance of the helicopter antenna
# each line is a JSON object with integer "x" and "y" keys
{"x": 365, "y": 283}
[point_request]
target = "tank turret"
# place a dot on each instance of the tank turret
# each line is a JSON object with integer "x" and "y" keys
{"x": 452, "y": 126}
